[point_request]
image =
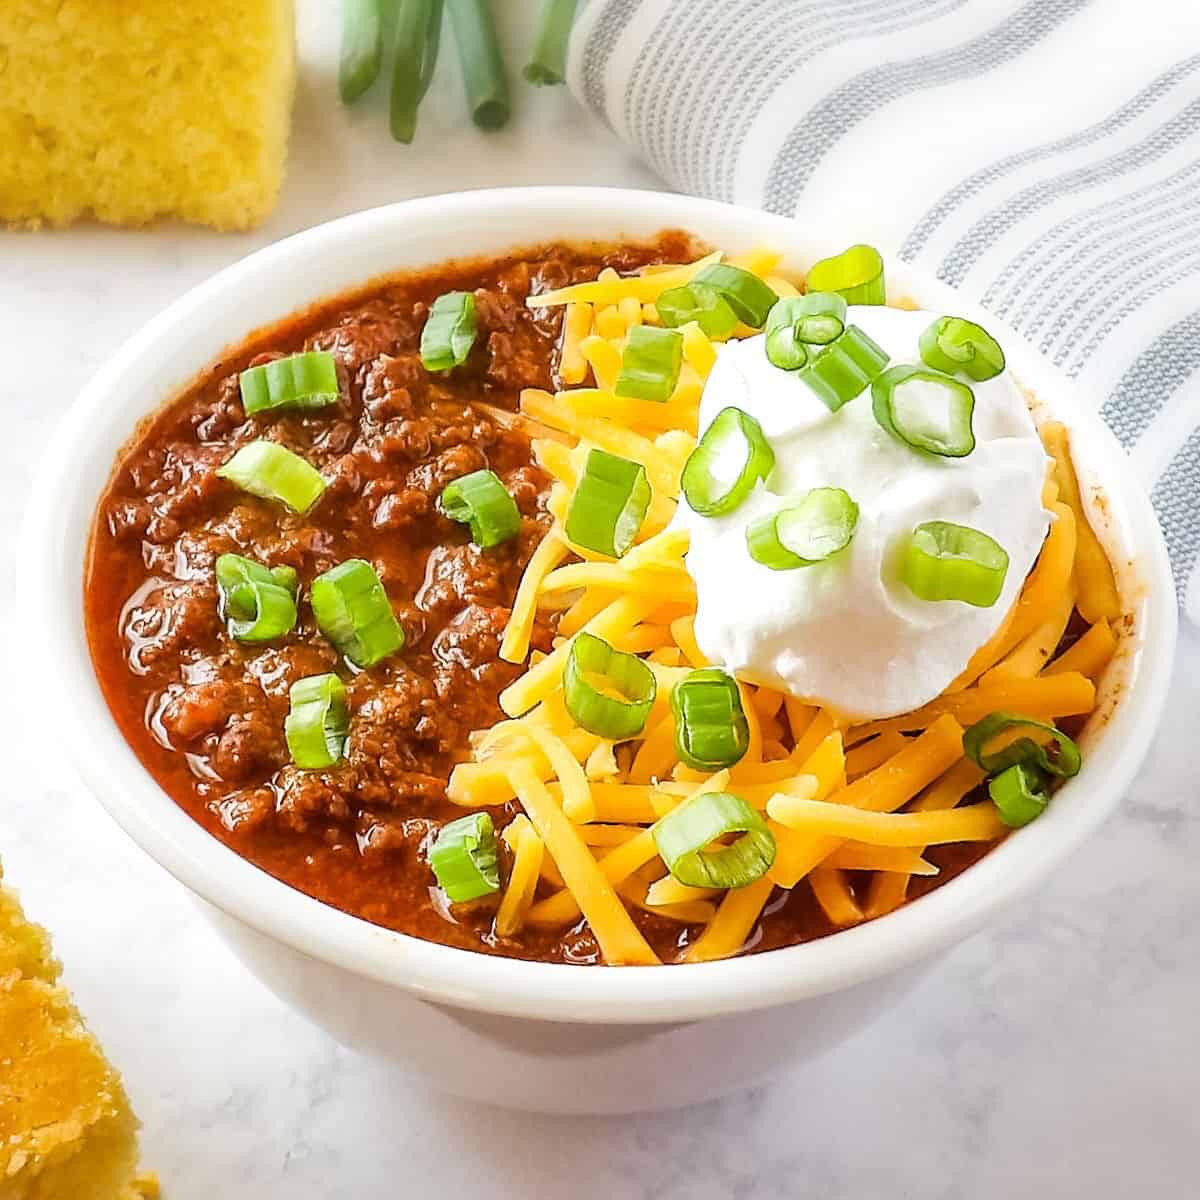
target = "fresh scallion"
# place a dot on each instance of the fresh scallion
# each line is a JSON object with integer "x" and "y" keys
{"x": 954, "y": 345}
{"x": 844, "y": 369}
{"x": 482, "y": 62}
{"x": 362, "y": 47}
{"x": 730, "y": 459}
{"x": 700, "y": 303}
{"x": 609, "y": 504}
{"x": 711, "y": 730}
{"x": 449, "y": 331}
{"x": 1019, "y": 794}
{"x": 1061, "y": 757}
{"x": 650, "y": 363}
{"x": 548, "y": 64}
{"x": 796, "y": 324}
{"x": 273, "y": 472}
{"x": 464, "y": 860}
{"x": 306, "y": 380}
{"x": 943, "y": 561}
{"x": 925, "y": 409}
{"x": 353, "y": 611}
{"x": 258, "y": 603}
{"x": 683, "y": 836}
{"x": 318, "y": 722}
{"x": 750, "y": 298}
{"x": 856, "y": 274}
{"x": 812, "y": 529}
{"x": 417, "y": 41}
{"x": 481, "y": 501}
{"x": 595, "y": 671}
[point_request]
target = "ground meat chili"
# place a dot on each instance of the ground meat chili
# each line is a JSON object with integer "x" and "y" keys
{"x": 205, "y": 713}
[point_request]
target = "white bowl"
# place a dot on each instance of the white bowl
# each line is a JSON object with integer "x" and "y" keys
{"x": 536, "y": 1035}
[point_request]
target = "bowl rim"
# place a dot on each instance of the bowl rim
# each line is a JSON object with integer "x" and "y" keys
{"x": 51, "y": 587}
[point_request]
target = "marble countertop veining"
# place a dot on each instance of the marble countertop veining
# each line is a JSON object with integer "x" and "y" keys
{"x": 1056, "y": 1055}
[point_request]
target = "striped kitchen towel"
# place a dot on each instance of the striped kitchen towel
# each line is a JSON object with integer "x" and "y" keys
{"x": 1043, "y": 156}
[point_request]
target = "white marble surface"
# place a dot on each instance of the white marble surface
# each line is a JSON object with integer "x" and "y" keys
{"x": 1056, "y": 1056}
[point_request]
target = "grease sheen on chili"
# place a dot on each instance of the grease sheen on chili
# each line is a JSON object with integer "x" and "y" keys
{"x": 205, "y": 713}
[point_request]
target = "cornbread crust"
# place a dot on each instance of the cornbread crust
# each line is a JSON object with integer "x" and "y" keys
{"x": 132, "y": 111}
{"x": 66, "y": 1128}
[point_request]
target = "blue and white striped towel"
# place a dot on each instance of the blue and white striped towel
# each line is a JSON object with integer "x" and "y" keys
{"x": 1043, "y": 156}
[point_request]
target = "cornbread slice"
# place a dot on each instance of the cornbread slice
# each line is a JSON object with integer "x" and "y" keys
{"x": 128, "y": 110}
{"x": 66, "y": 1129}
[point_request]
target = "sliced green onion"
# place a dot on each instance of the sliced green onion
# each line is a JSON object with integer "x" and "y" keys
{"x": 954, "y": 344}
{"x": 273, "y": 472}
{"x": 1019, "y": 794}
{"x": 813, "y": 529}
{"x": 943, "y": 561}
{"x": 700, "y": 303}
{"x": 683, "y": 835}
{"x": 711, "y": 730}
{"x": 548, "y": 65}
{"x": 418, "y": 39}
{"x": 318, "y": 721}
{"x": 609, "y": 505}
{"x": 750, "y": 298}
{"x": 257, "y": 602}
{"x": 463, "y": 858}
{"x": 650, "y": 364}
{"x": 797, "y": 323}
{"x": 354, "y": 613}
{"x": 591, "y": 705}
{"x": 307, "y": 380}
{"x": 1062, "y": 758}
{"x": 449, "y": 331}
{"x": 856, "y": 274}
{"x": 481, "y": 501}
{"x": 926, "y": 410}
{"x": 362, "y": 47}
{"x": 482, "y": 62}
{"x": 730, "y": 459}
{"x": 844, "y": 369}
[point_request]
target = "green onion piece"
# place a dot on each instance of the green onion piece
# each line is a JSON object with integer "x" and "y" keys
{"x": 856, "y": 274}
{"x": 362, "y": 47}
{"x": 591, "y": 705}
{"x": 682, "y": 835}
{"x": 650, "y": 364}
{"x": 258, "y": 603}
{"x": 548, "y": 64}
{"x": 354, "y": 613}
{"x": 731, "y": 457}
{"x": 1062, "y": 758}
{"x": 449, "y": 331}
{"x": 845, "y": 368}
{"x": 797, "y": 323}
{"x": 820, "y": 524}
{"x": 482, "y": 62}
{"x": 711, "y": 731}
{"x": 418, "y": 38}
{"x": 273, "y": 472}
{"x": 318, "y": 721}
{"x": 481, "y": 501}
{"x": 943, "y": 561}
{"x": 749, "y": 297}
{"x": 926, "y": 410}
{"x": 463, "y": 858}
{"x": 307, "y": 380}
{"x": 609, "y": 504}
{"x": 700, "y": 303}
{"x": 1019, "y": 794}
{"x": 954, "y": 344}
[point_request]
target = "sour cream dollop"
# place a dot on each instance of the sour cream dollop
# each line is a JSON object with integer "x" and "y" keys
{"x": 847, "y": 633}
